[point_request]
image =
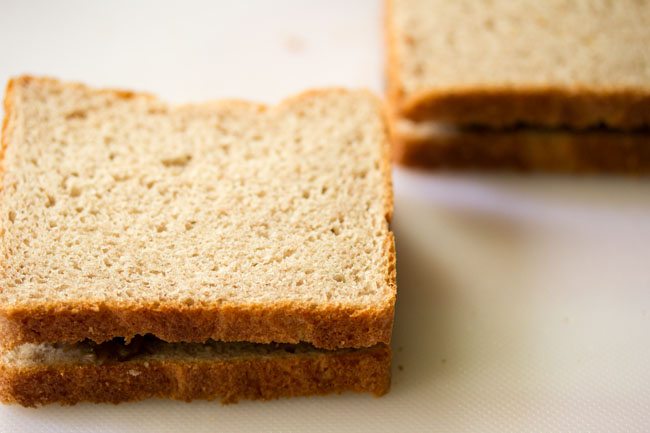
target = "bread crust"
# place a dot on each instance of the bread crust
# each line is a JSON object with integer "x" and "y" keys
{"x": 230, "y": 380}
{"x": 329, "y": 327}
{"x": 527, "y": 150}
{"x": 551, "y": 106}
{"x": 503, "y": 106}
{"x": 389, "y": 242}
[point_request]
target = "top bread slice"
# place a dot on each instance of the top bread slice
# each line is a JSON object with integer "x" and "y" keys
{"x": 121, "y": 215}
{"x": 499, "y": 63}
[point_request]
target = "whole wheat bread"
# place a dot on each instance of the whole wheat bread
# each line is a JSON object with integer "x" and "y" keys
{"x": 37, "y": 374}
{"x": 438, "y": 146}
{"x": 574, "y": 63}
{"x": 121, "y": 215}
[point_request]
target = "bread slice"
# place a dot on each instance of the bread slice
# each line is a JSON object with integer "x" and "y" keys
{"x": 38, "y": 374}
{"x": 121, "y": 215}
{"x": 551, "y": 63}
{"x": 431, "y": 145}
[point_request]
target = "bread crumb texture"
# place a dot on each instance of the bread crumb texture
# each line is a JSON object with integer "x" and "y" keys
{"x": 121, "y": 215}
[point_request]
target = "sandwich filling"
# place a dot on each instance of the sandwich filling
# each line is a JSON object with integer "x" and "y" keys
{"x": 150, "y": 347}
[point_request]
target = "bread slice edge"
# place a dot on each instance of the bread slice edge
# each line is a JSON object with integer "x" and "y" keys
{"x": 242, "y": 375}
{"x": 326, "y": 327}
{"x": 547, "y": 106}
{"x": 430, "y": 145}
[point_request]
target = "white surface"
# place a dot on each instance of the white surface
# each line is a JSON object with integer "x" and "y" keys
{"x": 524, "y": 303}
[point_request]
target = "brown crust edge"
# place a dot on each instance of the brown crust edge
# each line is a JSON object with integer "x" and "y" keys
{"x": 548, "y": 106}
{"x": 329, "y": 328}
{"x": 525, "y": 151}
{"x": 387, "y": 157}
{"x": 230, "y": 380}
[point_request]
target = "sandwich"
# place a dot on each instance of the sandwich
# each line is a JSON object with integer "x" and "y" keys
{"x": 542, "y": 78}
{"x": 223, "y": 250}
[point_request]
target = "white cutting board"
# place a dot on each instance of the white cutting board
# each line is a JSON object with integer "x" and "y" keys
{"x": 524, "y": 302}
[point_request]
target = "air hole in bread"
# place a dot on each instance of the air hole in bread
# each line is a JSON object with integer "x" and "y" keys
{"x": 50, "y": 200}
{"x": 176, "y": 161}
{"x": 75, "y": 191}
{"x": 76, "y": 115}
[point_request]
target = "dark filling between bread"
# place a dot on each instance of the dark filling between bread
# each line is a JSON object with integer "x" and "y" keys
{"x": 119, "y": 350}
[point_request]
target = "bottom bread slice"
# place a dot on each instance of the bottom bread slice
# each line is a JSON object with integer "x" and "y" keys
{"x": 38, "y": 374}
{"x": 429, "y": 145}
